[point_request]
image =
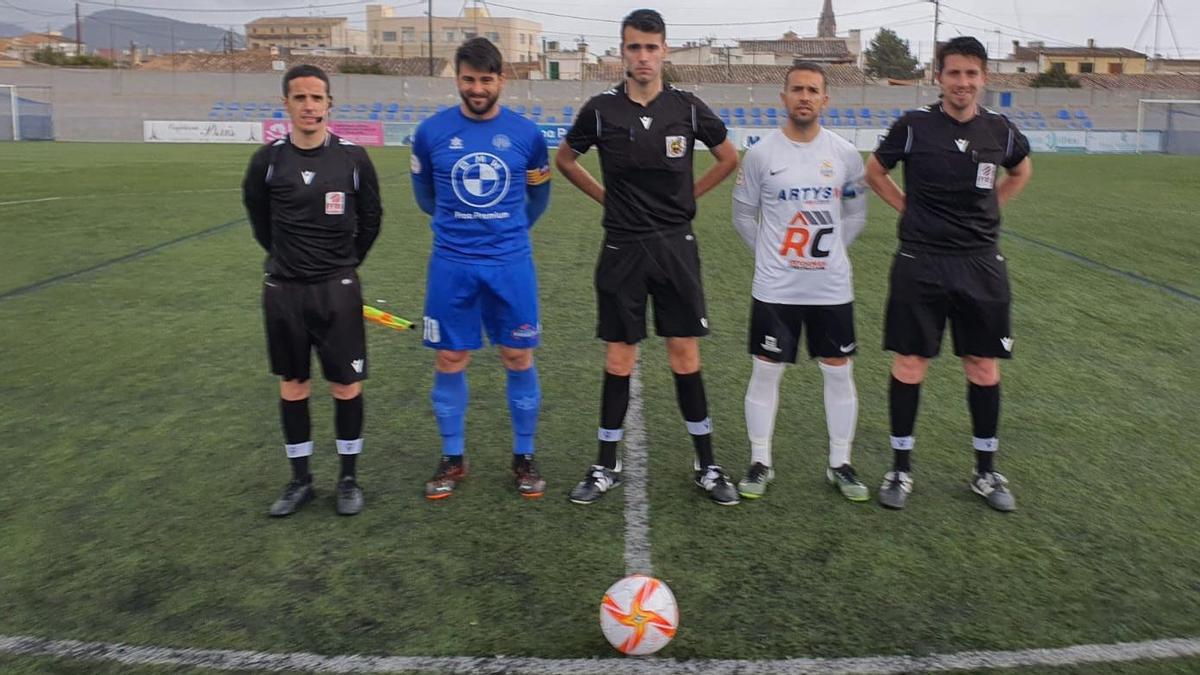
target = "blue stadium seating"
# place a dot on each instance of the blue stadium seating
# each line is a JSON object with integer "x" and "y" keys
{"x": 1063, "y": 114}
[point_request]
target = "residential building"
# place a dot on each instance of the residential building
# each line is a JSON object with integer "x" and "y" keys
{"x": 329, "y": 33}
{"x": 1084, "y": 60}
{"x": 519, "y": 40}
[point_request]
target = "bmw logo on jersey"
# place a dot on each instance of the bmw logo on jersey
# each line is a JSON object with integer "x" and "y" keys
{"x": 480, "y": 179}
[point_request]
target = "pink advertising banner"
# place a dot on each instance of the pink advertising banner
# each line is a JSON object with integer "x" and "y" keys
{"x": 359, "y": 133}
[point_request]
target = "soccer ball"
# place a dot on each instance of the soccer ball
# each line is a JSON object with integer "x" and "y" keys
{"x": 638, "y": 615}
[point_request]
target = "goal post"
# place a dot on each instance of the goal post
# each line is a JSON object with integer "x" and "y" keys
{"x": 26, "y": 113}
{"x": 1169, "y": 126}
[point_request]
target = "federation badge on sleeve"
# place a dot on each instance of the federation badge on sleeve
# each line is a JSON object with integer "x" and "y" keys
{"x": 985, "y": 176}
{"x": 335, "y": 203}
{"x": 676, "y": 146}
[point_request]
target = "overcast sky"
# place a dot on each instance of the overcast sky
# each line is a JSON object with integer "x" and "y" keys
{"x": 1113, "y": 23}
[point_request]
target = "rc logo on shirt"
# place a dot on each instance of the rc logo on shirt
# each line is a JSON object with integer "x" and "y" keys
{"x": 826, "y": 168}
{"x": 357, "y": 365}
{"x": 335, "y": 203}
{"x": 1007, "y": 343}
{"x": 456, "y": 143}
{"x": 770, "y": 344}
{"x": 646, "y": 121}
{"x": 501, "y": 142}
{"x": 480, "y": 179}
{"x": 308, "y": 176}
{"x": 962, "y": 144}
{"x": 676, "y": 146}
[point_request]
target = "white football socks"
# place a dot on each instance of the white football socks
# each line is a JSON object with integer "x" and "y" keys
{"x": 762, "y": 402}
{"x": 841, "y": 410}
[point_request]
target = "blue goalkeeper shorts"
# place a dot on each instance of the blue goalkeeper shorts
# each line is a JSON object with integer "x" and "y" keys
{"x": 460, "y": 298}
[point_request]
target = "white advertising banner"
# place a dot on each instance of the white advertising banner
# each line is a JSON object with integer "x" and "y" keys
{"x": 178, "y": 131}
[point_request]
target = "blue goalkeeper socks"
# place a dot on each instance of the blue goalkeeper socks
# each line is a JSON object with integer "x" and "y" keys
{"x": 449, "y": 397}
{"x": 524, "y": 404}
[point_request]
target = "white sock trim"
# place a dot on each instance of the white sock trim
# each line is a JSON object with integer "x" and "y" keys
{"x": 903, "y": 442}
{"x": 353, "y": 447}
{"x": 295, "y": 450}
{"x": 701, "y": 428}
{"x": 985, "y": 444}
{"x": 610, "y": 435}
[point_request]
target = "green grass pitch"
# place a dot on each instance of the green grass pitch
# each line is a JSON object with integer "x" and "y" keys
{"x": 140, "y": 442}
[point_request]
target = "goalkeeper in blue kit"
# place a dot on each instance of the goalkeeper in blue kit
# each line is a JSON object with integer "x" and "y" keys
{"x": 483, "y": 173}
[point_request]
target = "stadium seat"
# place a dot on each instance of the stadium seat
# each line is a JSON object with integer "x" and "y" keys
{"x": 389, "y": 117}
{"x": 551, "y": 119}
{"x": 519, "y": 109}
{"x": 850, "y": 122}
{"x": 739, "y": 112}
{"x": 393, "y": 107}
{"x": 848, "y": 113}
{"x": 865, "y": 113}
{"x": 409, "y": 108}
{"x": 536, "y": 111}
{"x": 723, "y": 112}
{"x": 1018, "y": 114}
{"x": 1081, "y": 114}
{"x": 343, "y": 110}
{"x": 1087, "y": 124}
{"x": 568, "y": 111}
{"x": 373, "y": 116}
{"x": 1035, "y": 114}
{"x": 277, "y": 114}
{"x": 833, "y": 112}
{"x": 406, "y": 117}
{"x": 1063, "y": 114}
{"x": 756, "y": 111}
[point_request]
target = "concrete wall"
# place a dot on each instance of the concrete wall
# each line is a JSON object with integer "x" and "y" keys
{"x": 112, "y": 104}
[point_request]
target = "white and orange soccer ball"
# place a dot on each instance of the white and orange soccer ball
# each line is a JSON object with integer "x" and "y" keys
{"x": 638, "y": 615}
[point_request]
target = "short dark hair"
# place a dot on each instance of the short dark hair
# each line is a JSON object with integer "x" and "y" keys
{"x": 645, "y": 20}
{"x": 305, "y": 70}
{"x": 964, "y": 45}
{"x": 809, "y": 66}
{"x": 480, "y": 54}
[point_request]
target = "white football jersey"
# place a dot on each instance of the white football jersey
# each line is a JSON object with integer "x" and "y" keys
{"x": 812, "y": 202}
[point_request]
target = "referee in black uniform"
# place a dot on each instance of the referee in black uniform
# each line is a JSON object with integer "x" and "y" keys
{"x": 948, "y": 265}
{"x": 313, "y": 201}
{"x": 646, "y": 133}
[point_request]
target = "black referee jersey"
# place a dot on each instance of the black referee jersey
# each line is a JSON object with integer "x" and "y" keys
{"x": 646, "y": 157}
{"x": 316, "y": 212}
{"x": 950, "y": 174}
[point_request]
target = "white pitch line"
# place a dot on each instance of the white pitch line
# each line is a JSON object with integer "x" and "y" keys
{"x": 633, "y": 475}
{"x": 517, "y": 665}
{"x": 30, "y": 201}
{"x": 120, "y": 194}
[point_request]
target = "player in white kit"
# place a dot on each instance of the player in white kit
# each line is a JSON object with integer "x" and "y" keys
{"x": 799, "y": 201}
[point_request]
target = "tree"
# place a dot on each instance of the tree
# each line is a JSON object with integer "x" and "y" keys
{"x": 889, "y": 56}
{"x": 1055, "y": 78}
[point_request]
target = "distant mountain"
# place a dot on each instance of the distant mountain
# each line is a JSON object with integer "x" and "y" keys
{"x": 118, "y": 27}
{"x": 11, "y": 30}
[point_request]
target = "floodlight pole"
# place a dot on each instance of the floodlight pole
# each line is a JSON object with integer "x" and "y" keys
{"x": 431, "y": 38}
{"x": 937, "y": 7}
{"x": 16, "y": 113}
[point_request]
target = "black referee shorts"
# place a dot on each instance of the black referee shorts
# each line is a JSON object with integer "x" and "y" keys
{"x": 971, "y": 291}
{"x": 665, "y": 268}
{"x": 326, "y": 315}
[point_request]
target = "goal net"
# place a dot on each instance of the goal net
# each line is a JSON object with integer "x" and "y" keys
{"x": 26, "y": 113}
{"x": 1170, "y": 126}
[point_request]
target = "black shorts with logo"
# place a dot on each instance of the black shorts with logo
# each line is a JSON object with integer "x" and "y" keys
{"x": 326, "y": 315}
{"x": 971, "y": 291}
{"x": 666, "y": 268}
{"x": 775, "y": 330}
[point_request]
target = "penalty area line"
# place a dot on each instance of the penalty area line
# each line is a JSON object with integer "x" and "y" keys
{"x": 76, "y": 650}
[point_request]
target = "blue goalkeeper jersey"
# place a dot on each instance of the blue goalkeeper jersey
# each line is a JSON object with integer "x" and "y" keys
{"x": 480, "y": 171}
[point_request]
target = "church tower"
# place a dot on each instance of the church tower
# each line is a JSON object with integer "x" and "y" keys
{"x": 827, "y": 26}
